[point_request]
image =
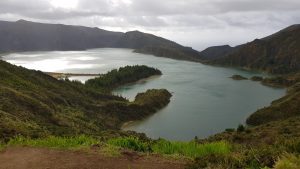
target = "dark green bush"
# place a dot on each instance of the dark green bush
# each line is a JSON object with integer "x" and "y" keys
{"x": 240, "y": 128}
{"x": 230, "y": 130}
{"x": 123, "y": 75}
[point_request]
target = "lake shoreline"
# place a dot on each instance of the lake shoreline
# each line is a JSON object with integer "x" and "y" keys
{"x": 196, "y": 88}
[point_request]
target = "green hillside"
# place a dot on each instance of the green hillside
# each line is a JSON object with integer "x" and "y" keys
{"x": 278, "y": 53}
{"x": 35, "y": 104}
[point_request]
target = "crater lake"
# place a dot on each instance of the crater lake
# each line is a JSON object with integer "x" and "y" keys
{"x": 205, "y": 100}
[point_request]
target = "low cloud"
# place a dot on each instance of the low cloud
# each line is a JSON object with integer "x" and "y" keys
{"x": 197, "y": 23}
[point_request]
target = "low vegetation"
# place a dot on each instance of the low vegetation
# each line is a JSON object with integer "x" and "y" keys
{"x": 238, "y": 77}
{"x": 33, "y": 104}
{"x": 257, "y": 78}
{"x": 213, "y": 154}
{"x": 73, "y": 142}
{"x": 171, "y": 51}
{"x": 216, "y": 154}
{"x": 255, "y": 147}
{"x": 132, "y": 143}
{"x": 279, "y": 81}
{"x": 39, "y": 111}
{"x": 278, "y": 53}
{"x": 281, "y": 109}
{"x": 250, "y": 156}
{"x": 190, "y": 149}
{"x": 288, "y": 161}
{"x": 121, "y": 76}
{"x": 63, "y": 109}
{"x": 161, "y": 146}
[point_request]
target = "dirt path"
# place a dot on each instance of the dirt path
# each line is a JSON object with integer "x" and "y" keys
{"x": 41, "y": 158}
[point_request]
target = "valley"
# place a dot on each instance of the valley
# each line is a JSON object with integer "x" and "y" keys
{"x": 199, "y": 107}
{"x": 197, "y": 98}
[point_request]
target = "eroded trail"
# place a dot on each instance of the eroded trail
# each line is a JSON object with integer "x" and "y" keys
{"x": 42, "y": 158}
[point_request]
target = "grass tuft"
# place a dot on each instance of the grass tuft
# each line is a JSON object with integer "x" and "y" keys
{"x": 130, "y": 143}
{"x": 2, "y": 146}
{"x": 110, "y": 150}
{"x": 75, "y": 142}
{"x": 288, "y": 161}
{"x": 186, "y": 149}
{"x": 191, "y": 149}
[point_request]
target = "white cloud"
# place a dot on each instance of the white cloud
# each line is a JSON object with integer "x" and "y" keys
{"x": 66, "y": 4}
{"x": 197, "y": 23}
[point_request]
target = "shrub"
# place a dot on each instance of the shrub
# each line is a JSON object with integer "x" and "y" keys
{"x": 1, "y": 146}
{"x": 121, "y": 76}
{"x": 288, "y": 161}
{"x": 229, "y": 130}
{"x": 130, "y": 143}
{"x": 215, "y": 161}
{"x": 161, "y": 146}
{"x": 240, "y": 128}
{"x": 264, "y": 156}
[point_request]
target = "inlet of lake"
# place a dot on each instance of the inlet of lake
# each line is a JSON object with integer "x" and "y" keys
{"x": 205, "y": 100}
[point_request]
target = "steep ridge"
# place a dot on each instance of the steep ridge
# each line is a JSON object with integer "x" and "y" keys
{"x": 30, "y": 36}
{"x": 151, "y": 44}
{"x": 216, "y": 52}
{"x": 278, "y": 53}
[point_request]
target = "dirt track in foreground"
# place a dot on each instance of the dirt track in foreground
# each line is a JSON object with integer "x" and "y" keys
{"x": 42, "y": 158}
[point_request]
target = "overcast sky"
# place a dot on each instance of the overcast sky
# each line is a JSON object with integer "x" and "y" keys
{"x": 195, "y": 23}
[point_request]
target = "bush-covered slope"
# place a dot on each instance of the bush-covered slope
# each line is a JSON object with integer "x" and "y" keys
{"x": 283, "y": 108}
{"x": 216, "y": 52}
{"x": 121, "y": 76}
{"x": 278, "y": 53}
{"x": 33, "y": 103}
{"x": 178, "y": 52}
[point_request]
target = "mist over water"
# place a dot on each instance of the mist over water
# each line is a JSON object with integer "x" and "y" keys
{"x": 205, "y": 100}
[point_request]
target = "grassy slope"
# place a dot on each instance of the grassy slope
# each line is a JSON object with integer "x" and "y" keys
{"x": 256, "y": 147}
{"x": 278, "y": 53}
{"x": 275, "y": 134}
{"x": 275, "y": 129}
{"x": 283, "y": 108}
{"x": 35, "y": 104}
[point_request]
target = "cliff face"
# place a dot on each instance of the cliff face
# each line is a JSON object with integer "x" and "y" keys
{"x": 278, "y": 53}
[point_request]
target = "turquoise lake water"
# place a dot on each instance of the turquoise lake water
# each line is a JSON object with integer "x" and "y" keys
{"x": 205, "y": 100}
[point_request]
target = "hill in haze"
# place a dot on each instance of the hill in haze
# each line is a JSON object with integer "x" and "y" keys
{"x": 278, "y": 53}
{"x": 30, "y": 36}
{"x": 216, "y": 52}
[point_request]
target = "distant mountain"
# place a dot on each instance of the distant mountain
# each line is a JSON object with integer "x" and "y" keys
{"x": 179, "y": 52}
{"x": 216, "y": 52}
{"x": 278, "y": 53}
{"x": 151, "y": 44}
{"x": 137, "y": 40}
{"x": 30, "y": 36}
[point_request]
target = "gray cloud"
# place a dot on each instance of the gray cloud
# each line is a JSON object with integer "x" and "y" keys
{"x": 198, "y": 23}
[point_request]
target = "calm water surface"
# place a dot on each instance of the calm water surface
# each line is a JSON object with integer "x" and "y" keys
{"x": 205, "y": 101}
